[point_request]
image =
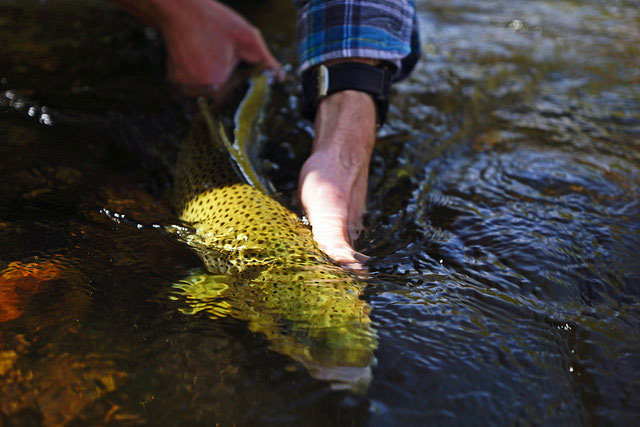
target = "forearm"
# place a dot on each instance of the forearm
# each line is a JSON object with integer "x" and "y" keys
{"x": 335, "y": 130}
{"x": 337, "y": 113}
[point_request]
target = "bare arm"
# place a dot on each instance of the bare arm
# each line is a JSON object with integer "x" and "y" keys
{"x": 333, "y": 181}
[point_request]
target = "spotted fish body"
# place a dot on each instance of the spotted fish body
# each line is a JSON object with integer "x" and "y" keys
{"x": 262, "y": 263}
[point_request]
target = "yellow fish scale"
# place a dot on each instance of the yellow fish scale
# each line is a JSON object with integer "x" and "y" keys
{"x": 227, "y": 219}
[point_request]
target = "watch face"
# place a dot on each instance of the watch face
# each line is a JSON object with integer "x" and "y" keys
{"x": 323, "y": 81}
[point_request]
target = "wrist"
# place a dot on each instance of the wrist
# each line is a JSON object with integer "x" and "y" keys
{"x": 369, "y": 76}
{"x": 346, "y": 120}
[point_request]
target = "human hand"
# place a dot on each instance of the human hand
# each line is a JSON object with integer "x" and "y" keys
{"x": 333, "y": 181}
{"x": 204, "y": 40}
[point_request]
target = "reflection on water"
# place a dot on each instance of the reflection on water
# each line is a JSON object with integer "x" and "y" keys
{"x": 503, "y": 226}
{"x": 316, "y": 319}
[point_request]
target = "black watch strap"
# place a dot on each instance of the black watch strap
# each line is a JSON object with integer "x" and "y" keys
{"x": 323, "y": 80}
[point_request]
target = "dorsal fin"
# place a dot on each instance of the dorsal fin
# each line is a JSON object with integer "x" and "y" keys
{"x": 247, "y": 121}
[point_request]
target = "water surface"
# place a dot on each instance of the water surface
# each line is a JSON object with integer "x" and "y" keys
{"x": 503, "y": 225}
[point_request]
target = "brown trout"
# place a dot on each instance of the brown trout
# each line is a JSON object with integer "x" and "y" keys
{"x": 263, "y": 266}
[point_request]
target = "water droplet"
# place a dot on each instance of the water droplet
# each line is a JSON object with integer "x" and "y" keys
{"x": 46, "y": 119}
{"x": 516, "y": 25}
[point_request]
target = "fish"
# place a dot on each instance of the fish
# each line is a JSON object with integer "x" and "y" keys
{"x": 261, "y": 263}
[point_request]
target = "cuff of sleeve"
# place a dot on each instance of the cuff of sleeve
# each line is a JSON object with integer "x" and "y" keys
{"x": 369, "y": 54}
{"x": 342, "y": 29}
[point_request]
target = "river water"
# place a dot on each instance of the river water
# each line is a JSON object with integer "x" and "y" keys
{"x": 503, "y": 226}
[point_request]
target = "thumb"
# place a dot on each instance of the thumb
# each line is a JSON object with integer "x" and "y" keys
{"x": 330, "y": 233}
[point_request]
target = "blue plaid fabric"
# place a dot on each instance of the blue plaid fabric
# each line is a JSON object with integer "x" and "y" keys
{"x": 377, "y": 29}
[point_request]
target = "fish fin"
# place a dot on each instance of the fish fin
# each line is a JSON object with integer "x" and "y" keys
{"x": 216, "y": 130}
{"x": 248, "y": 119}
{"x": 244, "y": 149}
{"x": 218, "y": 135}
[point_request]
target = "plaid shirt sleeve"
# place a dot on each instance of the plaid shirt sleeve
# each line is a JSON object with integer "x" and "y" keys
{"x": 377, "y": 29}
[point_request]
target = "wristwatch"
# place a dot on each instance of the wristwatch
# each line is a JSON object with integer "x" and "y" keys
{"x": 324, "y": 80}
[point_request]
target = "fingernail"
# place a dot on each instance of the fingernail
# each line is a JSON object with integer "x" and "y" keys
{"x": 360, "y": 257}
{"x": 358, "y": 269}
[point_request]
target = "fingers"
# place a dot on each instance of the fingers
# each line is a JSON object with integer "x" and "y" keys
{"x": 253, "y": 49}
{"x": 357, "y": 203}
{"x": 205, "y": 42}
{"x": 327, "y": 206}
{"x": 330, "y": 232}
